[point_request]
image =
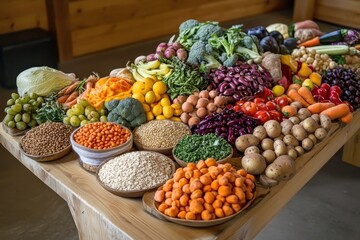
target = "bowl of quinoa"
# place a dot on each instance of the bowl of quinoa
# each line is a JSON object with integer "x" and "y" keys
{"x": 160, "y": 135}
{"x": 134, "y": 173}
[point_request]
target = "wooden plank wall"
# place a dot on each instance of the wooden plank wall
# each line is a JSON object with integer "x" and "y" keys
{"x": 16, "y": 15}
{"x": 342, "y": 12}
{"x": 98, "y": 25}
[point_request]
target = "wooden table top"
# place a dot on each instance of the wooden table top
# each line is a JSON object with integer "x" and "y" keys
{"x": 100, "y": 214}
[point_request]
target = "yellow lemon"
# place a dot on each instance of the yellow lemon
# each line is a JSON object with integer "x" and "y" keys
{"x": 178, "y": 112}
{"x": 157, "y": 97}
{"x": 157, "y": 110}
{"x": 278, "y": 90}
{"x": 175, "y": 119}
{"x": 139, "y": 96}
{"x": 149, "y": 82}
{"x": 138, "y": 87}
{"x": 146, "y": 107}
{"x": 150, "y": 97}
{"x": 165, "y": 102}
{"x": 176, "y": 106}
{"x": 149, "y": 116}
{"x": 160, "y": 117}
{"x": 168, "y": 111}
{"x": 159, "y": 87}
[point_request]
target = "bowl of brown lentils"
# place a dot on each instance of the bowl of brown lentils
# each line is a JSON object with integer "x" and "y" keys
{"x": 98, "y": 141}
{"x": 46, "y": 142}
{"x": 160, "y": 135}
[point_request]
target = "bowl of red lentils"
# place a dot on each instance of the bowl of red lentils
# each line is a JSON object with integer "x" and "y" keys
{"x": 98, "y": 141}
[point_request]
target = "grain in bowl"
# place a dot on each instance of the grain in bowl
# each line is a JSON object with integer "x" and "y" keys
{"x": 135, "y": 172}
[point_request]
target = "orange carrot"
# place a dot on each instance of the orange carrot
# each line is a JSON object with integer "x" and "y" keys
{"x": 62, "y": 99}
{"x": 72, "y": 96}
{"x": 319, "y": 107}
{"x": 293, "y": 86}
{"x": 337, "y": 111}
{"x": 89, "y": 84}
{"x": 289, "y": 110}
{"x": 306, "y": 94}
{"x": 347, "y": 118}
{"x": 295, "y": 96}
{"x": 68, "y": 105}
{"x": 72, "y": 87}
{"x": 310, "y": 43}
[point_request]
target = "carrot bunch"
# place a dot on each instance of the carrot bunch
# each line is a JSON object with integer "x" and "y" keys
{"x": 205, "y": 191}
{"x": 69, "y": 95}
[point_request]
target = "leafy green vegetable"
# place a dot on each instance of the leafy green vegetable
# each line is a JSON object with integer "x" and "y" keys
{"x": 183, "y": 80}
{"x": 50, "y": 110}
{"x": 42, "y": 81}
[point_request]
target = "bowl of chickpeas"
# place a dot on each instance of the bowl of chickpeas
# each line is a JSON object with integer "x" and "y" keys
{"x": 98, "y": 141}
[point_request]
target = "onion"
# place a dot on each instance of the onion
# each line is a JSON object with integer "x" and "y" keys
{"x": 162, "y": 47}
{"x": 169, "y": 53}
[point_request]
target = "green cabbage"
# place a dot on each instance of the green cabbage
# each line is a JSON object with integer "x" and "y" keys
{"x": 42, "y": 81}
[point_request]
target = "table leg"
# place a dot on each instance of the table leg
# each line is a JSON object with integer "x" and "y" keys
{"x": 351, "y": 150}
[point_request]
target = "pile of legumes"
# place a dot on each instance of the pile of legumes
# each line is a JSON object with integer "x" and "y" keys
{"x": 102, "y": 135}
{"x": 192, "y": 148}
{"x": 138, "y": 170}
{"x": 205, "y": 191}
{"x": 46, "y": 139}
{"x": 161, "y": 133}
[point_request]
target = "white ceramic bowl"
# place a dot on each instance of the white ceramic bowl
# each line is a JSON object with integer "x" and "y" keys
{"x": 90, "y": 158}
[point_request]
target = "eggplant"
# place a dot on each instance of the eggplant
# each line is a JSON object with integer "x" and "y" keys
{"x": 290, "y": 43}
{"x": 284, "y": 50}
{"x": 269, "y": 44}
{"x": 278, "y": 37}
{"x": 260, "y": 32}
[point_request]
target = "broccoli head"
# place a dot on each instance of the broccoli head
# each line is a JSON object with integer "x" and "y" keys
{"x": 187, "y": 25}
{"x": 200, "y": 56}
{"x": 128, "y": 112}
{"x": 207, "y": 30}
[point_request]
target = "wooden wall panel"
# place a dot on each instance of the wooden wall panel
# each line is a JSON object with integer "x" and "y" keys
{"x": 342, "y": 12}
{"x": 99, "y": 25}
{"x": 16, "y": 15}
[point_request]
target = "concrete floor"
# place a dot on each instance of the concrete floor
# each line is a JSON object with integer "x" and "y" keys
{"x": 326, "y": 208}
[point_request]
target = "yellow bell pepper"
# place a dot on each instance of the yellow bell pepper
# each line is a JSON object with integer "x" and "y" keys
{"x": 287, "y": 60}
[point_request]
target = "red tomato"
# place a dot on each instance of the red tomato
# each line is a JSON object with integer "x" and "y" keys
{"x": 261, "y": 106}
{"x": 249, "y": 108}
{"x": 259, "y": 100}
{"x": 263, "y": 116}
{"x": 276, "y": 115}
{"x": 282, "y": 101}
{"x": 270, "y": 105}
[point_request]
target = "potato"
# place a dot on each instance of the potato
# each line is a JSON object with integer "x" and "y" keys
{"x": 303, "y": 113}
{"x": 280, "y": 148}
{"x": 273, "y": 128}
{"x": 269, "y": 156}
{"x": 316, "y": 117}
{"x": 294, "y": 120}
{"x": 320, "y": 133}
{"x": 245, "y": 141}
{"x": 313, "y": 138}
{"x": 292, "y": 152}
{"x": 307, "y": 144}
{"x": 252, "y": 149}
{"x": 297, "y": 104}
{"x": 267, "y": 143}
{"x": 290, "y": 140}
{"x": 282, "y": 168}
{"x": 264, "y": 180}
{"x": 280, "y": 137}
{"x": 253, "y": 163}
{"x": 298, "y": 132}
{"x": 286, "y": 126}
{"x": 300, "y": 151}
{"x": 309, "y": 124}
{"x": 260, "y": 132}
{"x": 325, "y": 122}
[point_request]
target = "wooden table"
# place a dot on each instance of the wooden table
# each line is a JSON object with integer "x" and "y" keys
{"x": 99, "y": 214}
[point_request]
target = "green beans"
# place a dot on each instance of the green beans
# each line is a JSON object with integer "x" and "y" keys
{"x": 193, "y": 148}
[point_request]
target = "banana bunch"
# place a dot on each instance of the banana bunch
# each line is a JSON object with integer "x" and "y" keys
{"x": 152, "y": 69}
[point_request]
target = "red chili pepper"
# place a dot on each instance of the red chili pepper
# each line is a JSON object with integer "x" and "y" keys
{"x": 263, "y": 116}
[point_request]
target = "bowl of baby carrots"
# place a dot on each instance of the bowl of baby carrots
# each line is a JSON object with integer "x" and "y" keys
{"x": 98, "y": 141}
{"x": 204, "y": 194}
